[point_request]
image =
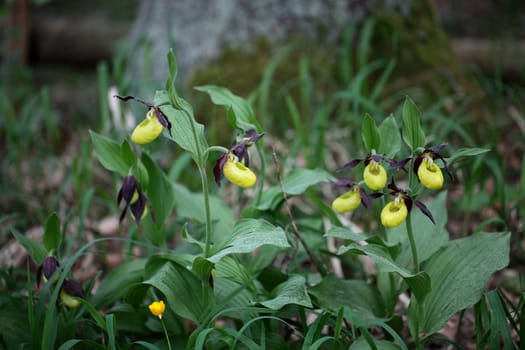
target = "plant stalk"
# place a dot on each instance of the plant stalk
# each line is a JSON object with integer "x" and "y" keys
{"x": 166, "y": 333}
{"x": 412, "y": 242}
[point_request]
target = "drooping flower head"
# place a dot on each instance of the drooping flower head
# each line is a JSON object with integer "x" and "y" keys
{"x": 151, "y": 127}
{"x": 396, "y": 211}
{"x": 351, "y": 199}
{"x": 374, "y": 174}
{"x": 234, "y": 165}
{"x": 134, "y": 199}
{"x": 157, "y": 308}
{"x": 428, "y": 172}
{"x": 70, "y": 292}
{"x": 46, "y": 270}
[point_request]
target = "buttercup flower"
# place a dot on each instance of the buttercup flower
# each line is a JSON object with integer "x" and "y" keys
{"x": 374, "y": 174}
{"x": 395, "y": 212}
{"x": 151, "y": 127}
{"x": 234, "y": 165}
{"x": 70, "y": 292}
{"x": 157, "y": 308}
{"x": 134, "y": 199}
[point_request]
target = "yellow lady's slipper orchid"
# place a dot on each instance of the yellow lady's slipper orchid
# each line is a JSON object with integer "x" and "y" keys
{"x": 394, "y": 213}
{"x": 157, "y": 308}
{"x": 69, "y": 300}
{"x": 375, "y": 176}
{"x": 148, "y": 130}
{"x": 348, "y": 201}
{"x": 238, "y": 173}
{"x": 430, "y": 174}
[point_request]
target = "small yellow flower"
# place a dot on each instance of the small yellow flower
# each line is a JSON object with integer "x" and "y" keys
{"x": 148, "y": 130}
{"x": 238, "y": 173}
{"x": 394, "y": 213}
{"x": 348, "y": 201}
{"x": 430, "y": 174}
{"x": 375, "y": 176}
{"x": 157, "y": 308}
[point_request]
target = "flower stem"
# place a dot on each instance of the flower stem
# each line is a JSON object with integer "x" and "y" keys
{"x": 166, "y": 333}
{"x": 412, "y": 242}
{"x": 201, "y": 163}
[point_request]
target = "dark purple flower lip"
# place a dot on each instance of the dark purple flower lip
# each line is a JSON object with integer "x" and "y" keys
{"x": 130, "y": 188}
{"x": 47, "y": 269}
{"x": 73, "y": 288}
{"x": 163, "y": 120}
{"x": 239, "y": 150}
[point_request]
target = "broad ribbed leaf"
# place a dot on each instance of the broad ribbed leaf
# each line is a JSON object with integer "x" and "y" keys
{"x": 465, "y": 152}
{"x": 184, "y": 292}
{"x": 390, "y": 137}
{"x": 459, "y": 272}
{"x": 361, "y": 298}
{"x": 36, "y": 250}
{"x": 419, "y": 283}
{"x": 293, "y": 291}
{"x": 412, "y": 132}
{"x": 345, "y": 233}
{"x": 52, "y": 233}
{"x": 295, "y": 182}
{"x": 248, "y": 235}
{"x": 117, "y": 282}
{"x": 113, "y": 156}
{"x": 181, "y": 125}
{"x": 370, "y": 134}
{"x": 240, "y": 112}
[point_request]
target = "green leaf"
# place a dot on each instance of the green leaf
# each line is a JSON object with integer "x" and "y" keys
{"x": 160, "y": 192}
{"x": 117, "y": 282}
{"x": 240, "y": 114}
{"x": 295, "y": 182}
{"x": 181, "y": 125}
{"x": 412, "y": 132}
{"x": 191, "y": 205}
{"x": 361, "y": 298}
{"x": 293, "y": 291}
{"x": 52, "y": 233}
{"x": 459, "y": 272}
{"x": 419, "y": 283}
{"x": 248, "y": 235}
{"x": 184, "y": 292}
{"x": 172, "y": 64}
{"x": 466, "y": 152}
{"x": 345, "y": 233}
{"x": 390, "y": 137}
{"x": 362, "y": 344}
{"x": 428, "y": 237}
{"x": 370, "y": 134}
{"x": 113, "y": 156}
{"x": 36, "y": 250}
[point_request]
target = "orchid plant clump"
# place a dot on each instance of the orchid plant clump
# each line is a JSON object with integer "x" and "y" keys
{"x": 208, "y": 279}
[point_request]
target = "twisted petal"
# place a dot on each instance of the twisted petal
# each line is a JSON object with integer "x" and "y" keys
{"x": 148, "y": 130}
{"x": 430, "y": 175}
{"x": 375, "y": 176}
{"x": 393, "y": 214}
{"x": 238, "y": 174}
{"x": 157, "y": 308}
{"x": 347, "y": 202}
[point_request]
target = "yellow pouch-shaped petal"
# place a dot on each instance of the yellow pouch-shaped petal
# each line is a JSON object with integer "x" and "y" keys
{"x": 430, "y": 175}
{"x": 148, "y": 130}
{"x": 347, "y": 202}
{"x": 375, "y": 176}
{"x": 238, "y": 174}
{"x": 157, "y": 308}
{"x": 394, "y": 214}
